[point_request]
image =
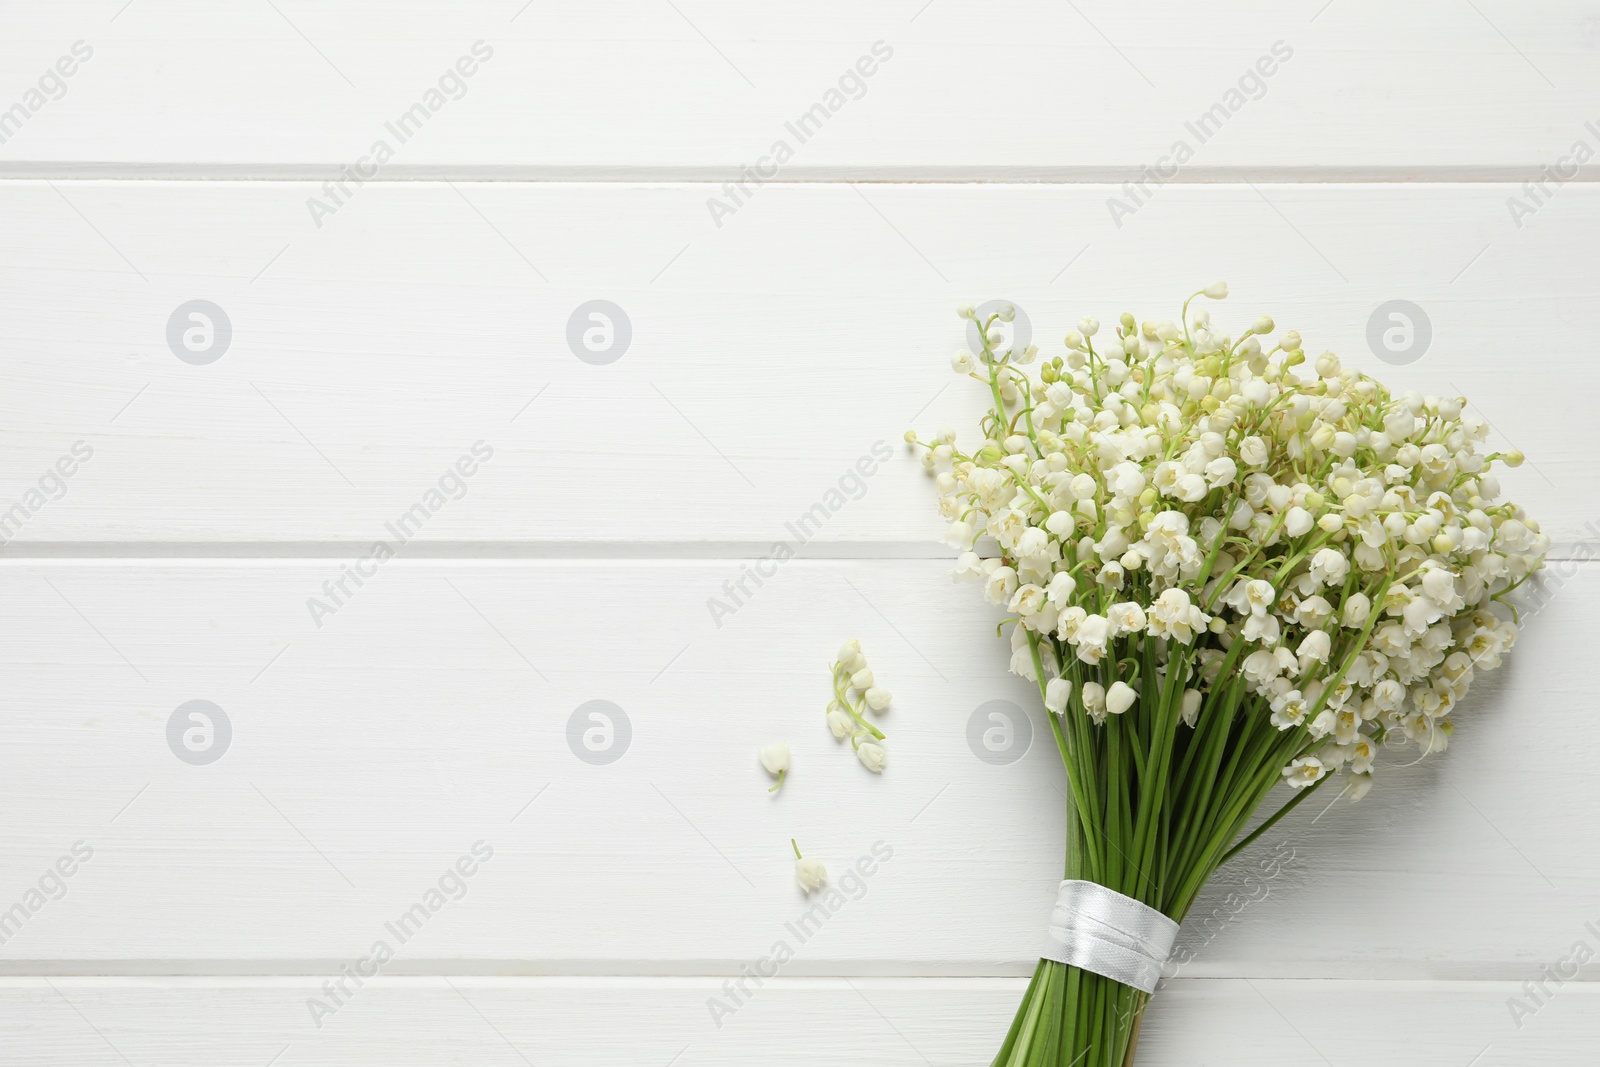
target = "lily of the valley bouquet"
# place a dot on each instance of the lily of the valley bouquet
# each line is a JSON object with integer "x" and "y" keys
{"x": 1228, "y": 571}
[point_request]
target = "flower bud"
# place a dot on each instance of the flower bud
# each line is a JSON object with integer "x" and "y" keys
{"x": 840, "y": 724}
{"x": 774, "y": 757}
{"x": 861, "y": 679}
{"x": 1056, "y": 694}
{"x": 877, "y": 699}
{"x": 1088, "y": 326}
{"x": 1217, "y": 290}
{"x": 811, "y": 874}
{"x": 1191, "y": 697}
{"x": 1264, "y": 325}
{"x": 1121, "y": 696}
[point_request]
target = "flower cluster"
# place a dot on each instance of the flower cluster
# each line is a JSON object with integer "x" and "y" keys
{"x": 845, "y": 719}
{"x": 1293, "y": 543}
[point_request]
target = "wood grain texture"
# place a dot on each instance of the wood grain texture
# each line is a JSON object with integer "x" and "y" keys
{"x": 432, "y": 711}
{"x": 164, "y": 524}
{"x": 701, "y": 88}
{"x": 823, "y": 1022}
{"x": 767, "y": 357}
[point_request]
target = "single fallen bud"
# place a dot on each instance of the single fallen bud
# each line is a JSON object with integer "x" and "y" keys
{"x": 811, "y": 874}
{"x": 775, "y": 758}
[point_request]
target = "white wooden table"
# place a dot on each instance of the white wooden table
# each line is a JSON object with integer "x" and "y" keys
{"x": 191, "y": 493}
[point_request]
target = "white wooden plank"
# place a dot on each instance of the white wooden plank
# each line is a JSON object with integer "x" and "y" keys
{"x": 705, "y": 87}
{"x": 431, "y": 711}
{"x": 429, "y": 715}
{"x": 766, "y": 358}
{"x": 877, "y": 1022}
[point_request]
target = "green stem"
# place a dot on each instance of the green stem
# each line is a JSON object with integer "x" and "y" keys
{"x": 1273, "y": 819}
{"x": 842, "y": 693}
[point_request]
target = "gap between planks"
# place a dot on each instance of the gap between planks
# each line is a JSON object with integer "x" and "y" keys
{"x": 201, "y": 553}
{"x": 1097, "y": 174}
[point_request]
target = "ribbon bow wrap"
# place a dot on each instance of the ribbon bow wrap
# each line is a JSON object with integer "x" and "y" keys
{"x": 1100, "y": 930}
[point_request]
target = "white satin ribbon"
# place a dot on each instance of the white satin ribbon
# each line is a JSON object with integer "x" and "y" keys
{"x": 1100, "y": 930}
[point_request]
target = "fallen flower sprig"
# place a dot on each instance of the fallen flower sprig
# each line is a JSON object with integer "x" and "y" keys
{"x": 1222, "y": 574}
{"x": 845, "y": 715}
